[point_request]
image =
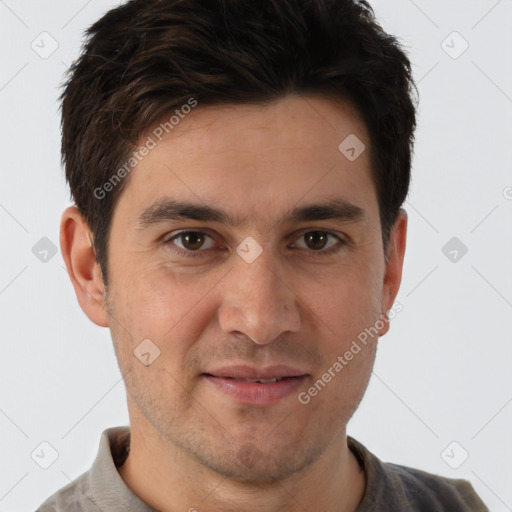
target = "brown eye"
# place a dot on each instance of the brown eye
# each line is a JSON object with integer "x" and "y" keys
{"x": 192, "y": 240}
{"x": 315, "y": 240}
{"x": 320, "y": 243}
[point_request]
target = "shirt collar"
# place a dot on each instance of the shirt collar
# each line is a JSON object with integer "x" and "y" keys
{"x": 108, "y": 489}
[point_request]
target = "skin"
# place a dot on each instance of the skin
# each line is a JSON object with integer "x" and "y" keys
{"x": 193, "y": 447}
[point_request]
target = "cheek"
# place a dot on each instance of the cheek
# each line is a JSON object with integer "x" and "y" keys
{"x": 346, "y": 302}
{"x": 165, "y": 306}
{"x": 170, "y": 313}
{"x": 340, "y": 385}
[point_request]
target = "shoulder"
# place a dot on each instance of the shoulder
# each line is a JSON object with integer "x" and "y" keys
{"x": 401, "y": 488}
{"x": 70, "y": 498}
{"x": 433, "y": 492}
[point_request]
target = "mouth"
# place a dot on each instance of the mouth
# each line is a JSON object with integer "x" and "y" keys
{"x": 251, "y": 386}
{"x": 261, "y": 381}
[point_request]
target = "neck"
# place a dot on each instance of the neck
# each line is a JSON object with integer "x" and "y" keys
{"x": 169, "y": 480}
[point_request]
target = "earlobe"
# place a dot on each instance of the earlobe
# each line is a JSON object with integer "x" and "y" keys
{"x": 394, "y": 265}
{"x": 80, "y": 258}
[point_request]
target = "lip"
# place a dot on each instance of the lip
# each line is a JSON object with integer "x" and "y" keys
{"x": 226, "y": 380}
{"x": 251, "y": 372}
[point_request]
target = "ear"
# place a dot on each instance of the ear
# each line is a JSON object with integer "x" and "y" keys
{"x": 80, "y": 258}
{"x": 394, "y": 264}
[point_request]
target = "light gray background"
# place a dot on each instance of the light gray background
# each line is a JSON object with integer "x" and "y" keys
{"x": 442, "y": 373}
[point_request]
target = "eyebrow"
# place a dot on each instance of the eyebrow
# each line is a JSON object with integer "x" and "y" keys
{"x": 166, "y": 209}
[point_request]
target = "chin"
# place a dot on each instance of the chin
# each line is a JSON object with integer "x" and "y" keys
{"x": 250, "y": 464}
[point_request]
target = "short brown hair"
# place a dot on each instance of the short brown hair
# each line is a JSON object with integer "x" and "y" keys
{"x": 146, "y": 58}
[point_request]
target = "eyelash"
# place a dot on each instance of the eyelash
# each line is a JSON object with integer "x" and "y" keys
{"x": 194, "y": 254}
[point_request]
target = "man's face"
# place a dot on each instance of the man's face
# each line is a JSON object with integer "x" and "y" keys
{"x": 318, "y": 283}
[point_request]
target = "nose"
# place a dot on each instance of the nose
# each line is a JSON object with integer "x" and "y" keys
{"x": 258, "y": 301}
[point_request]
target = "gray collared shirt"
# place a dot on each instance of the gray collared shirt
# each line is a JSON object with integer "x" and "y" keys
{"x": 390, "y": 487}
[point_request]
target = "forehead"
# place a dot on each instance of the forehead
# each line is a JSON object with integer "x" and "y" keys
{"x": 258, "y": 160}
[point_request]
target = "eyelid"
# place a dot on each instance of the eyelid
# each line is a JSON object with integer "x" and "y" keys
{"x": 175, "y": 234}
{"x": 328, "y": 233}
